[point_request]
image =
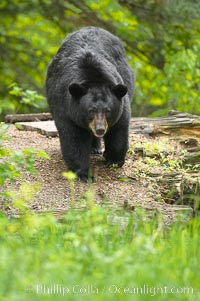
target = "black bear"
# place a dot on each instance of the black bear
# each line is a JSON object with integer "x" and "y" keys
{"x": 89, "y": 88}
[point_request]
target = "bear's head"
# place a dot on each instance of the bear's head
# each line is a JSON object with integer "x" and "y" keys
{"x": 98, "y": 107}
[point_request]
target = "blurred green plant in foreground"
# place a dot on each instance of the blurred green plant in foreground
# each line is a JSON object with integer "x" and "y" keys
{"x": 98, "y": 254}
{"x": 14, "y": 163}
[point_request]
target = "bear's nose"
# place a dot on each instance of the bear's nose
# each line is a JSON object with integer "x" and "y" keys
{"x": 100, "y": 132}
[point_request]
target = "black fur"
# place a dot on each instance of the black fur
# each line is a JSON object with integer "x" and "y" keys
{"x": 90, "y": 74}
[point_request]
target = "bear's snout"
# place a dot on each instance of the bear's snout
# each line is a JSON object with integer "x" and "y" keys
{"x": 99, "y": 125}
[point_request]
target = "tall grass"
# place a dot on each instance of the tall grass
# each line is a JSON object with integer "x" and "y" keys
{"x": 88, "y": 256}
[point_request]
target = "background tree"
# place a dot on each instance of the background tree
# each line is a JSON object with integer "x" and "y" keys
{"x": 161, "y": 38}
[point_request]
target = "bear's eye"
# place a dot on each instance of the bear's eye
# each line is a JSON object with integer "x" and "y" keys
{"x": 91, "y": 112}
{"x": 107, "y": 111}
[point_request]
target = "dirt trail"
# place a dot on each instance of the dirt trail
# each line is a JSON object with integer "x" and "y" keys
{"x": 120, "y": 187}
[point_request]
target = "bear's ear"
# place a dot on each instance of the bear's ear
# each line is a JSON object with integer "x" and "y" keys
{"x": 77, "y": 90}
{"x": 119, "y": 90}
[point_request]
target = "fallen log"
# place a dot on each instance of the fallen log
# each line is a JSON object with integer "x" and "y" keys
{"x": 176, "y": 123}
{"x": 13, "y": 118}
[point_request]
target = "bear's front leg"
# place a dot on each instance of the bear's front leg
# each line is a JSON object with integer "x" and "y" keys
{"x": 96, "y": 146}
{"x": 76, "y": 148}
{"x": 116, "y": 145}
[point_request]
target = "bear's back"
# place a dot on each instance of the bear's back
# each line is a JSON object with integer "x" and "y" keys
{"x": 93, "y": 39}
{"x": 91, "y": 54}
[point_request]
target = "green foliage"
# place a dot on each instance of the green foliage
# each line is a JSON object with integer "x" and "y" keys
{"x": 12, "y": 163}
{"x": 71, "y": 176}
{"x": 100, "y": 251}
{"x": 25, "y": 50}
{"x": 158, "y": 158}
{"x": 161, "y": 40}
{"x": 25, "y": 99}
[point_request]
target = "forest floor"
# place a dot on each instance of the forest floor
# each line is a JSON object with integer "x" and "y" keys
{"x": 153, "y": 178}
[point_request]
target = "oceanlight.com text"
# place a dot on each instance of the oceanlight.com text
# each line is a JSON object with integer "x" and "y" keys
{"x": 112, "y": 289}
